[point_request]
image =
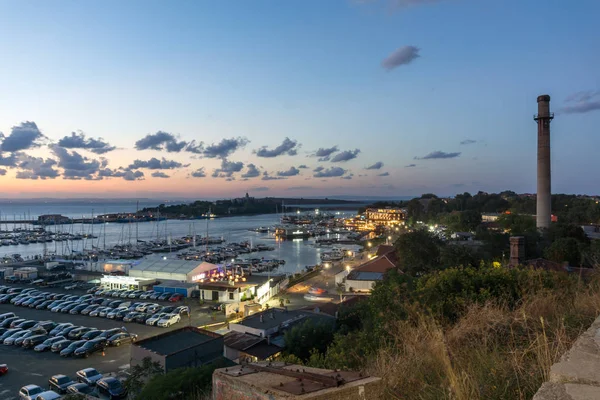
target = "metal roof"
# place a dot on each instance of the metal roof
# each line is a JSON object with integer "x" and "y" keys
{"x": 364, "y": 276}
{"x": 172, "y": 266}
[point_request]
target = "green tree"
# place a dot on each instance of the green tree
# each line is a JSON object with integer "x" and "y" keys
{"x": 139, "y": 374}
{"x": 565, "y": 249}
{"x": 302, "y": 338}
{"x": 340, "y": 288}
{"x": 418, "y": 252}
{"x": 459, "y": 256}
{"x": 182, "y": 383}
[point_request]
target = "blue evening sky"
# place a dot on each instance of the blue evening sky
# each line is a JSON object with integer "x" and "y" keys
{"x": 312, "y": 71}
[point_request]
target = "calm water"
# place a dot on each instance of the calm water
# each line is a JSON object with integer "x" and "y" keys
{"x": 297, "y": 254}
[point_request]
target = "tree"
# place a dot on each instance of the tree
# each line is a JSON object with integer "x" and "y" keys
{"x": 302, "y": 338}
{"x": 418, "y": 252}
{"x": 141, "y": 373}
{"x": 565, "y": 249}
{"x": 459, "y": 256}
{"x": 340, "y": 288}
{"x": 182, "y": 383}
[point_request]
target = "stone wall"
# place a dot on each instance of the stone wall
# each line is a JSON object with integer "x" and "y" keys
{"x": 577, "y": 375}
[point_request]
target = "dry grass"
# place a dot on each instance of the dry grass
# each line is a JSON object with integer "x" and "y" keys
{"x": 492, "y": 352}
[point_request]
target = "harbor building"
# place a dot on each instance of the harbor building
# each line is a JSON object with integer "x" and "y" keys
{"x": 126, "y": 282}
{"x": 259, "y": 288}
{"x": 175, "y": 270}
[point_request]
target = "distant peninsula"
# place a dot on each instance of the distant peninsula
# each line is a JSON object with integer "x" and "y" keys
{"x": 241, "y": 206}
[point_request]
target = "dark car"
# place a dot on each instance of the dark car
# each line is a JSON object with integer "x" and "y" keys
{"x": 70, "y": 349}
{"x": 59, "y": 328}
{"x": 34, "y": 340}
{"x": 60, "y": 345}
{"x": 78, "y": 309}
{"x": 65, "y": 332}
{"x": 43, "y": 305}
{"x": 19, "y": 341}
{"x": 111, "y": 332}
{"x": 60, "y": 383}
{"x": 6, "y": 323}
{"x": 9, "y": 333}
{"x": 37, "y": 302}
{"x": 131, "y": 316}
{"x": 115, "y": 303}
{"x": 142, "y": 317}
{"x": 164, "y": 296}
{"x": 90, "y": 347}
{"x": 122, "y": 338}
{"x": 15, "y": 322}
{"x": 89, "y": 376}
{"x": 79, "y": 332}
{"x": 26, "y": 324}
{"x": 46, "y": 325}
{"x": 68, "y": 308}
{"x": 80, "y": 388}
{"x": 7, "y": 315}
{"x": 112, "y": 388}
{"x": 92, "y": 334}
{"x": 47, "y": 344}
{"x": 87, "y": 310}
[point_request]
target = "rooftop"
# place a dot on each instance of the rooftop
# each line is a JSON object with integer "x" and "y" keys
{"x": 178, "y": 340}
{"x": 276, "y": 316}
{"x": 241, "y": 341}
{"x": 171, "y": 266}
{"x": 380, "y": 264}
{"x": 263, "y": 350}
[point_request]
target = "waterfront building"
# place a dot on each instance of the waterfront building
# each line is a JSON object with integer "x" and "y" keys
{"x": 258, "y": 288}
{"x": 173, "y": 269}
{"x": 365, "y": 276}
{"x": 126, "y": 282}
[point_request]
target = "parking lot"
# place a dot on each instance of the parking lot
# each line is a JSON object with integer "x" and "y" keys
{"x": 29, "y": 367}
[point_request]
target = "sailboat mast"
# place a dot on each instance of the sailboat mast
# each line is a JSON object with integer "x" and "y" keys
{"x": 137, "y": 207}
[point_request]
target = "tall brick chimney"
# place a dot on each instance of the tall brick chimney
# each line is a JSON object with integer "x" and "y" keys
{"x": 517, "y": 250}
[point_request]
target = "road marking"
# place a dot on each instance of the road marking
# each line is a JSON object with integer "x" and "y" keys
{"x": 124, "y": 366}
{"x": 35, "y": 374}
{"x": 109, "y": 361}
{"x": 4, "y": 391}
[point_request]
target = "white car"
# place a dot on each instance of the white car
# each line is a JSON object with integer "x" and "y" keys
{"x": 168, "y": 320}
{"x": 29, "y": 392}
{"x": 155, "y": 318}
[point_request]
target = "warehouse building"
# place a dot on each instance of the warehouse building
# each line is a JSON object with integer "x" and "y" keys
{"x": 175, "y": 270}
{"x": 126, "y": 282}
{"x": 185, "y": 347}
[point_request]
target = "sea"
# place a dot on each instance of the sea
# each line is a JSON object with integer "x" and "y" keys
{"x": 297, "y": 254}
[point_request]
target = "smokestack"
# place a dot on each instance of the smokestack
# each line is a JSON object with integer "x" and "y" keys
{"x": 543, "y": 118}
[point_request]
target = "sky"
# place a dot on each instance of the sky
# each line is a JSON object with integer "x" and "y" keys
{"x": 205, "y": 99}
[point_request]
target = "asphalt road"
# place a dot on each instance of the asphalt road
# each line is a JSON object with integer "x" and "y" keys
{"x": 28, "y": 367}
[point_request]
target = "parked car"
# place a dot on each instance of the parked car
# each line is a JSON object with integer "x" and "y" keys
{"x": 155, "y": 318}
{"x": 175, "y": 297}
{"x": 3, "y": 369}
{"x": 10, "y": 340}
{"x": 122, "y": 338}
{"x": 113, "y": 314}
{"x": 34, "y": 340}
{"x": 88, "y": 376}
{"x": 154, "y": 308}
{"x": 131, "y": 316}
{"x": 70, "y": 349}
{"x": 26, "y": 324}
{"x": 47, "y": 344}
{"x": 112, "y": 388}
{"x": 79, "y": 308}
{"x": 9, "y": 333}
{"x": 168, "y": 320}
{"x": 87, "y": 310}
{"x": 147, "y": 294}
{"x": 92, "y": 334}
{"x": 142, "y": 317}
{"x": 8, "y": 321}
{"x": 59, "y": 328}
{"x": 90, "y": 347}
{"x": 81, "y": 388}
{"x": 29, "y": 392}
{"x": 60, "y": 345}
{"x": 48, "y": 395}
{"x": 43, "y": 305}
{"x": 97, "y": 311}
{"x": 79, "y": 332}
{"x": 181, "y": 310}
{"x": 60, "y": 383}
{"x": 45, "y": 325}
{"x": 110, "y": 332}
{"x": 19, "y": 341}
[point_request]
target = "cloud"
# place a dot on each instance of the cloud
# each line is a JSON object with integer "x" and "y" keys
{"x": 2, "y": 171}
{"x": 384, "y": 174}
{"x": 401, "y": 56}
{"x": 377, "y": 165}
{"x": 318, "y": 169}
{"x": 228, "y": 168}
{"x": 75, "y": 165}
{"x": 155, "y": 163}
{"x": 10, "y": 160}
{"x": 348, "y": 177}
{"x": 259, "y": 189}
{"x": 410, "y": 166}
{"x": 289, "y": 147}
{"x": 36, "y": 168}
{"x": 79, "y": 141}
{"x": 252, "y": 172}
{"x": 346, "y": 155}
{"x": 437, "y": 155}
{"x": 303, "y": 166}
{"x": 267, "y": 177}
{"x": 22, "y": 137}
{"x": 290, "y": 172}
{"x": 330, "y": 172}
{"x": 468, "y": 141}
{"x": 224, "y": 148}
{"x": 126, "y": 174}
{"x": 299, "y": 187}
{"x": 160, "y": 174}
{"x": 582, "y": 102}
{"x": 199, "y": 173}
{"x": 324, "y": 154}
{"x": 161, "y": 141}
